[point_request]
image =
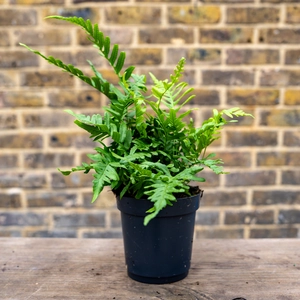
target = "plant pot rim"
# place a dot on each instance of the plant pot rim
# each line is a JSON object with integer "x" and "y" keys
{"x": 139, "y": 207}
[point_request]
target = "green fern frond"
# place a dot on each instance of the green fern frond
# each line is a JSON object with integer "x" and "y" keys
{"x": 99, "y": 40}
{"x": 84, "y": 167}
{"x": 189, "y": 174}
{"x": 146, "y": 148}
{"x": 105, "y": 176}
{"x": 162, "y": 194}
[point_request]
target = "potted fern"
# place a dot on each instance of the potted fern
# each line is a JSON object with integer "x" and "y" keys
{"x": 148, "y": 153}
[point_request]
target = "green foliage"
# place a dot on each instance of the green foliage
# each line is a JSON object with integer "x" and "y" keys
{"x": 146, "y": 148}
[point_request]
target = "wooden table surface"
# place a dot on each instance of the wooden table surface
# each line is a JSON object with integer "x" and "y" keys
{"x": 37, "y": 268}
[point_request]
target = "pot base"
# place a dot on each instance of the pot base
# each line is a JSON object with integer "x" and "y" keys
{"x": 157, "y": 280}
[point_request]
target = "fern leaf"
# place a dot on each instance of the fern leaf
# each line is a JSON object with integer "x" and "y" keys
{"x": 85, "y": 167}
{"x": 114, "y": 54}
{"x": 104, "y": 176}
{"x": 161, "y": 193}
{"x": 106, "y": 46}
{"x": 188, "y": 174}
{"x": 157, "y": 165}
{"x": 97, "y": 38}
{"x": 120, "y": 62}
{"x": 128, "y": 72}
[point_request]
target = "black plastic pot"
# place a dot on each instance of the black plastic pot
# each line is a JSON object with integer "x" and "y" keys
{"x": 161, "y": 251}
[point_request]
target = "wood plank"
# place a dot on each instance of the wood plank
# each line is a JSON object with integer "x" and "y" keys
{"x": 33, "y": 268}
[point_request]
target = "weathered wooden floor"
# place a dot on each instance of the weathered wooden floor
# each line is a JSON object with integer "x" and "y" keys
{"x": 34, "y": 268}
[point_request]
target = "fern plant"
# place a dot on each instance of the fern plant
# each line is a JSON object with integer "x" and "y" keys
{"x": 153, "y": 152}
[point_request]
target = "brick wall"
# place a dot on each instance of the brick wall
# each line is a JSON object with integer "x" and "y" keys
{"x": 239, "y": 53}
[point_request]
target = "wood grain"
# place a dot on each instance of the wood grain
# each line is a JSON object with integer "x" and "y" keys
{"x": 33, "y": 268}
